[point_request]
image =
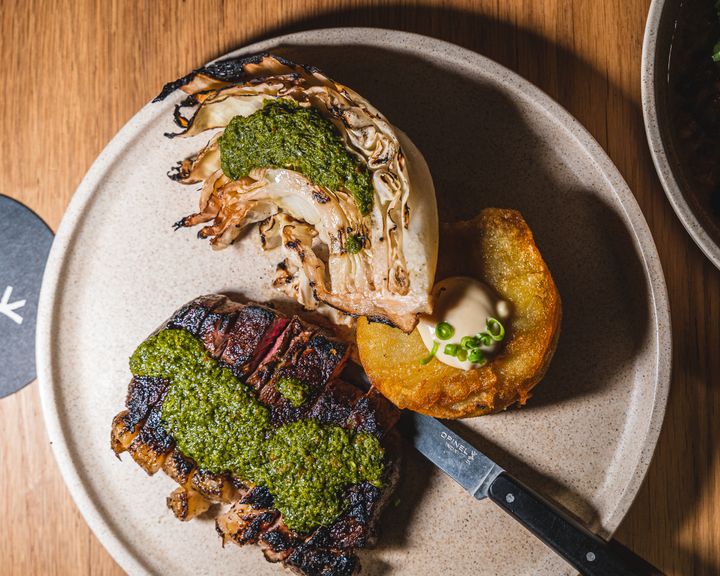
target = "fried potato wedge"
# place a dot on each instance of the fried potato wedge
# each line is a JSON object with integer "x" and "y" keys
{"x": 496, "y": 247}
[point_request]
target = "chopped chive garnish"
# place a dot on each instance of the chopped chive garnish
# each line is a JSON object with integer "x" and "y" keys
{"x": 476, "y": 356}
{"x": 444, "y": 331}
{"x": 470, "y": 347}
{"x": 495, "y": 329}
{"x": 430, "y": 356}
{"x": 451, "y": 349}
{"x": 485, "y": 339}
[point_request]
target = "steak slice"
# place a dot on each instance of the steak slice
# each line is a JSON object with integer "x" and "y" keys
{"x": 373, "y": 414}
{"x": 263, "y": 348}
{"x": 238, "y": 334}
{"x": 295, "y": 335}
{"x": 255, "y": 330}
{"x": 309, "y": 363}
{"x": 336, "y": 404}
{"x": 216, "y": 328}
{"x": 193, "y": 314}
{"x": 317, "y": 556}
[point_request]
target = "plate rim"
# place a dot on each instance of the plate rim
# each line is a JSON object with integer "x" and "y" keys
{"x": 657, "y": 144}
{"x": 47, "y": 323}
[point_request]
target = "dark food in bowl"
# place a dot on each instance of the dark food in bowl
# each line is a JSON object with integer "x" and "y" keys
{"x": 694, "y": 78}
{"x": 244, "y": 407}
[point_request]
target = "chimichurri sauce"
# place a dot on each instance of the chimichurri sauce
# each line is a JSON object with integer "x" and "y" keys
{"x": 216, "y": 420}
{"x": 293, "y": 390}
{"x": 283, "y": 134}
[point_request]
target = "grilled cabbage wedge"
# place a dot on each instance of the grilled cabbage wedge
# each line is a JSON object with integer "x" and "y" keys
{"x": 362, "y": 241}
{"x": 496, "y": 247}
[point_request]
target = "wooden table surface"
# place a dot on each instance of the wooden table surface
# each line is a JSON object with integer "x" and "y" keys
{"x": 75, "y": 71}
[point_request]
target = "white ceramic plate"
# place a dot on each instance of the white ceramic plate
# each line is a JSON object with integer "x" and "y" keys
{"x": 117, "y": 270}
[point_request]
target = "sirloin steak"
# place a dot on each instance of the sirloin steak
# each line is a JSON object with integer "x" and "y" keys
{"x": 263, "y": 349}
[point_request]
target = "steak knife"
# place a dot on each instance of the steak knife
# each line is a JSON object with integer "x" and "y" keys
{"x": 482, "y": 478}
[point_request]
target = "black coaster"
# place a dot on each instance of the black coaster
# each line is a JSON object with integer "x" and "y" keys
{"x": 24, "y": 246}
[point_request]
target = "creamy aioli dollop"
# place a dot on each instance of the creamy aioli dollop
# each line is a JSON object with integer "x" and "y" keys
{"x": 465, "y": 304}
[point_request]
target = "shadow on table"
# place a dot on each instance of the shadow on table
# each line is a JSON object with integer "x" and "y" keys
{"x": 563, "y": 75}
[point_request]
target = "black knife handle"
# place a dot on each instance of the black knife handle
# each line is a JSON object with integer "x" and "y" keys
{"x": 586, "y": 552}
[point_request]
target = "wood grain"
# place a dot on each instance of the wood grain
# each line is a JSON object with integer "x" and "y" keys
{"x": 75, "y": 71}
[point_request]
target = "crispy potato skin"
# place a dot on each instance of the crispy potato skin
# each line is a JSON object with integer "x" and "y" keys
{"x": 496, "y": 247}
